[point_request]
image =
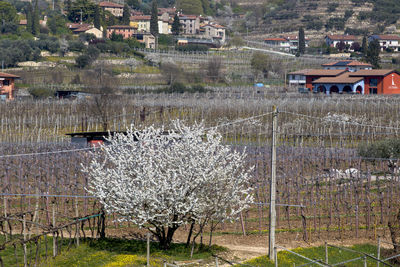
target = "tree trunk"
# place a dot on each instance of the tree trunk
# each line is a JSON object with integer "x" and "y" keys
{"x": 190, "y": 234}
{"x": 164, "y": 236}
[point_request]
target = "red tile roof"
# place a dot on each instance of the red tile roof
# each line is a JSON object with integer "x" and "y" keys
{"x": 73, "y": 26}
{"x": 293, "y": 37}
{"x": 343, "y": 78}
{"x": 350, "y": 63}
{"x": 300, "y": 72}
{"x": 318, "y": 72}
{"x": 120, "y": 27}
{"x": 182, "y": 16}
{"x": 83, "y": 29}
{"x": 23, "y": 22}
{"x": 8, "y": 75}
{"x": 110, "y": 4}
{"x": 142, "y": 17}
{"x": 275, "y": 39}
{"x": 342, "y": 37}
{"x": 363, "y": 73}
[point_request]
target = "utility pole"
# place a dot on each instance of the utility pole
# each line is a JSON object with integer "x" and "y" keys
{"x": 272, "y": 208}
{"x": 81, "y": 15}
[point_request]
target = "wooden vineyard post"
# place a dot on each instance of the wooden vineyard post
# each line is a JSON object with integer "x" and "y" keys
{"x": 148, "y": 250}
{"x": 378, "y": 256}
{"x": 326, "y": 253}
{"x": 54, "y": 233}
{"x": 24, "y": 234}
{"x": 5, "y": 216}
{"x": 77, "y": 222}
{"x": 272, "y": 208}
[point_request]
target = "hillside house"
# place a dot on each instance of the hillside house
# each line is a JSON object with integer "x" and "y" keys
{"x": 333, "y": 40}
{"x": 215, "y": 31}
{"x": 364, "y": 81}
{"x": 89, "y": 29}
{"x": 124, "y": 30}
{"x": 350, "y": 65}
{"x": 142, "y": 23}
{"x": 310, "y": 75}
{"x": 163, "y": 27}
{"x": 294, "y": 42}
{"x": 298, "y": 78}
{"x": 190, "y": 24}
{"x": 278, "y": 42}
{"x": 387, "y": 42}
{"x": 7, "y": 85}
{"x": 115, "y": 9}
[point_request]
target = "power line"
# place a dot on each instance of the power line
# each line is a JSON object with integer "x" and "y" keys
{"x": 47, "y": 153}
{"x": 43, "y": 195}
{"x": 91, "y": 148}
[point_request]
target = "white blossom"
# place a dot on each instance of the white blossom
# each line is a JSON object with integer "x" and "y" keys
{"x": 163, "y": 179}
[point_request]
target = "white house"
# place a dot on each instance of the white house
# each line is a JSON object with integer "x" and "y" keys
{"x": 387, "y": 41}
{"x": 333, "y": 40}
{"x": 215, "y": 31}
{"x": 280, "y": 42}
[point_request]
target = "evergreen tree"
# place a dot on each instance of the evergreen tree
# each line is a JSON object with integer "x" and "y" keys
{"x": 364, "y": 46}
{"x": 373, "y": 51}
{"x": 176, "y": 25}
{"x": 96, "y": 19}
{"x": 29, "y": 18}
{"x": 126, "y": 15}
{"x": 134, "y": 4}
{"x": 68, "y": 6}
{"x": 35, "y": 20}
{"x": 154, "y": 19}
{"x": 302, "y": 41}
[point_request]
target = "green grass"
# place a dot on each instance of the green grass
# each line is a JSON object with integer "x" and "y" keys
{"x": 335, "y": 256}
{"x": 110, "y": 252}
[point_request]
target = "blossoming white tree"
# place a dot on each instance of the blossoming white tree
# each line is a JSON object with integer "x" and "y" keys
{"x": 161, "y": 179}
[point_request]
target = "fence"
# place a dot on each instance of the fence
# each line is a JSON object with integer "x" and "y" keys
{"x": 31, "y": 231}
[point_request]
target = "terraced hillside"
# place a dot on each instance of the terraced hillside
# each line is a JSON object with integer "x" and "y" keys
{"x": 319, "y": 16}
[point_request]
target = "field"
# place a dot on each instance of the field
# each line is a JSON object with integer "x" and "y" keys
{"x": 43, "y": 185}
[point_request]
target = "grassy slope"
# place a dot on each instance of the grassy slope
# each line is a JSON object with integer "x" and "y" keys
{"x": 108, "y": 253}
{"x": 335, "y": 256}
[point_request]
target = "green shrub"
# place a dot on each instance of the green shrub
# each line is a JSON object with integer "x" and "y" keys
{"x": 82, "y": 61}
{"x": 192, "y": 47}
{"x": 41, "y": 92}
{"x": 389, "y": 148}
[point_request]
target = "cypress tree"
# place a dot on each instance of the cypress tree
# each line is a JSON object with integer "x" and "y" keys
{"x": 29, "y": 19}
{"x": 126, "y": 15}
{"x": 154, "y": 19}
{"x": 96, "y": 19}
{"x": 176, "y": 25}
{"x": 302, "y": 41}
{"x": 373, "y": 51}
{"x": 35, "y": 20}
{"x": 364, "y": 46}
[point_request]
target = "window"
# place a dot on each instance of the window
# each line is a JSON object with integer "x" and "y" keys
{"x": 373, "y": 82}
{"x": 373, "y": 91}
{"x": 6, "y": 82}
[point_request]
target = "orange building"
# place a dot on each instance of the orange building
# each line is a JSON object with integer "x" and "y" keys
{"x": 7, "y": 85}
{"x": 385, "y": 82}
{"x": 124, "y": 30}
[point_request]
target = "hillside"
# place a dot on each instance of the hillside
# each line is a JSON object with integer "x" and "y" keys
{"x": 318, "y": 16}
